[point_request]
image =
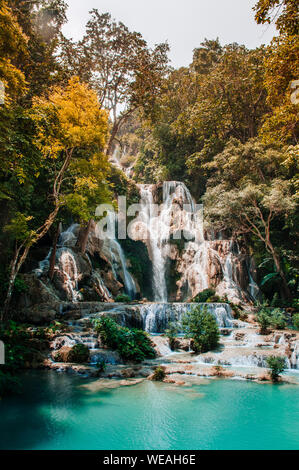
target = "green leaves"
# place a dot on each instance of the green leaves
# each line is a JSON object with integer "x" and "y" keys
{"x": 132, "y": 344}
{"x": 269, "y": 277}
{"x": 277, "y": 365}
{"x": 19, "y": 227}
{"x": 201, "y": 326}
{"x": 268, "y": 317}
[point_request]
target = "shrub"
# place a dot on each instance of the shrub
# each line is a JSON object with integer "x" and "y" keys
{"x": 270, "y": 317}
{"x": 215, "y": 299}
{"x": 79, "y": 353}
{"x": 159, "y": 374}
{"x": 201, "y": 326}
{"x": 132, "y": 344}
{"x": 171, "y": 334}
{"x": 122, "y": 298}
{"x": 101, "y": 366}
{"x": 263, "y": 321}
{"x": 18, "y": 345}
{"x": 277, "y": 365}
{"x": 277, "y": 319}
{"x": 295, "y": 319}
{"x": 204, "y": 295}
{"x": 19, "y": 349}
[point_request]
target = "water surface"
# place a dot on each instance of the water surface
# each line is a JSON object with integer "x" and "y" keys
{"x": 55, "y": 412}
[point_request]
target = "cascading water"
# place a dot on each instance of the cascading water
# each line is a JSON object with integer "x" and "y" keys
{"x": 157, "y": 316}
{"x": 155, "y": 242}
{"x": 65, "y": 263}
{"x": 166, "y": 221}
{"x": 201, "y": 262}
{"x": 68, "y": 266}
{"x": 117, "y": 256}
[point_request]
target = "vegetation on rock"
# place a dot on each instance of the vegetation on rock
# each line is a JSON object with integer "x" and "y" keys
{"x": 200, "y": 325}
{"x": 204, "y": 295}
{"x": 276, "y": 365}
{"x": 79, "y": 353}
{"x": 159, "y": 374}
{"x": 171, "y": 333}
{"x": 268, "y": 317}
{"x": 295, "y": 320}
{"x": 132, "y": 344}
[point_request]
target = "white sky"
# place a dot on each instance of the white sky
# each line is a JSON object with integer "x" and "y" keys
{"x": 183, "y": 23}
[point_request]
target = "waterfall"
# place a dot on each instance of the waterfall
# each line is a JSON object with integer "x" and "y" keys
{"x": 253, "y": 287}
{"x": 160, "y": 224}
{"x": 100, "y": 287}
{"x": 157, "y": 316}
{"x": 128, "y": 279}
{"x": 69, "y": 237}
{"x": 68, "y": 267}
{"x": 155, "y": 242}
{"x": 117, "y": 256}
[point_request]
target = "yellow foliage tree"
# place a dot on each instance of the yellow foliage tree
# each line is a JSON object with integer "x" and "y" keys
{"x": 70, "y": 123}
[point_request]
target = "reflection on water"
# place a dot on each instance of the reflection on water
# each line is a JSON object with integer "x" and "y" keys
{"x": 56, "y": 412}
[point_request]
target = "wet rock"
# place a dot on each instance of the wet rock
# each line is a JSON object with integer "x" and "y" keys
{"x": 128, "y": 373}
{"x": 239, "y": 336}
{"x": 62, "y": 354}
{"x": 183, "y": 344}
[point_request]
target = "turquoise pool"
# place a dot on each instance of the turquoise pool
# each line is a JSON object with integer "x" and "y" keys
{"x": 55, "y": 412}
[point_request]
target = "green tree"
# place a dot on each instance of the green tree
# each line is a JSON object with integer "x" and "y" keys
{"x": 159, "y": 374}
{"x": 263, "y": 320}
{"x": 276, "y": 365}
{"x": 118, "y": 64}
{"x": 171, "y": 333}
{"x": 295, "y": 320}
{"x": 132, "y": 344}
{"x": 244, "y": 197}
{"x": 68, "y": 122}
{"x": 267, "y": 317}
{"x": 221, "y": 95}
{"x": 13, "y": 42}
{"x": 40, "y": 21}
{"x": 281, "y": 70}
{"x": 201, "y": 326}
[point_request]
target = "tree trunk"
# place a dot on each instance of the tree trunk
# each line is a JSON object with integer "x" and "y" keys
{"x": 6, "y": 305}
{"x": 83, "y": 237}
{"x": 18, "y": 259}
{"x": 53, "y": 253}
{"x": 284, "y": 286}
{"x": 16, "y": 265}
{"x": 111, "y": 139}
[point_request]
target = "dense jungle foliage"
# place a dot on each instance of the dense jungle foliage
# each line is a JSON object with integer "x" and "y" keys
{"x": 227, "y": 126}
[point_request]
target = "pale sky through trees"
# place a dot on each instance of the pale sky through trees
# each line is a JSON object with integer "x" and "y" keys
{"x": 184, "y": 23}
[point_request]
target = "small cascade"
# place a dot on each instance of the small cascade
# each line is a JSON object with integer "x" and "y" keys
{"x": 68, "y": 267}
{"x": 128, "y": 279}
{"x": 65, "y": 263}
{"x": 43, "y": 265}
{"x": 157, "y": 316}
{"x": 69, "y": 236}
{"x": 253, "y": 287}
{"x": 155, "y": 240}
{"x": 117, "y": 257}
{"x": 294, "y": 359}
{"x": 175, "y": 215}
{"x": 100, "y": 287}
